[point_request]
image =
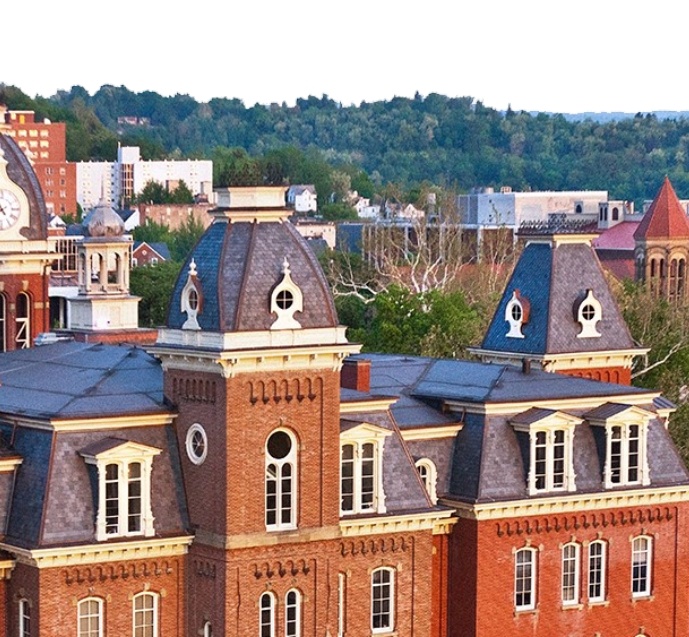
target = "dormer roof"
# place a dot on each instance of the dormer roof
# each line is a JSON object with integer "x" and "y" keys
{"x": 665, "y": 219}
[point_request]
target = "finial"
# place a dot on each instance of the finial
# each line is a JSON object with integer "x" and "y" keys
{"x": 285, "y": 267}
{"x": 192, "y": 268}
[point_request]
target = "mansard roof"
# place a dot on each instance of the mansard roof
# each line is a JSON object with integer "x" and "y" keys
{"x": 665, "y": 219}
{"x": 238, "y": 265}
{"x": 554, "y": 277}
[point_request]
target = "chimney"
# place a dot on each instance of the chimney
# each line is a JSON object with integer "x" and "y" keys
{"x": 526, "y": 366}
{"x": 356, "y": 374}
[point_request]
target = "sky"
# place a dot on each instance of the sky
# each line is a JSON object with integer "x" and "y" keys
{"x": 566, "y": 57}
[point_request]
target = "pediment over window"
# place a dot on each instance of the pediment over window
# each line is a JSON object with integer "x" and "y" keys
{"x": 117, "y": 449}
{"x": 536, "y": 418}
{"x": 365, "y": 430}
{"x": 618, "y": 413}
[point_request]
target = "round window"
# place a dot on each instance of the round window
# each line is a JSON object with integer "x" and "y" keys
{"x": 588, "y": 312}
{"x": 197, "y": 444}
{"x": 279, "y": 445}
{"x": 516, "y": 312}
{"x": 193, "y": 299}
{"x": 284, "y": 299}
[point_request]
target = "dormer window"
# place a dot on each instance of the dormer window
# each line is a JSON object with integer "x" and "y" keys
{"x": 124, "y": 487}
{"x": 551, "y": 434}
{"x": 588, "y": 314}
{"x": 626, "y": 431}
{"x": 285, "y": 301}
{"x": 517, "y": 314}
{"x": 191, "y": 300}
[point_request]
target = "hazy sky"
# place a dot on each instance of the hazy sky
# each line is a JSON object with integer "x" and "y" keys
{"x": 605, "y": 55}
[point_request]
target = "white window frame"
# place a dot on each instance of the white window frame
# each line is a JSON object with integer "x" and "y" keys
{"x": 122, "y": 456}
{"x": 140, "y": 615}
{"x": 358, "y": 437}
{"x": 196, "y": 444}
{"x": 597, "y": 571}
{"x": 571, "y": 573}
{"x": 525, "y": 583}
{"x": 207, "y": 629}
{"x": 642, "y": 553}
{"x": 544, "y": 461}
{"x": 341, "y": 603}
{"x": 429, "y": 476}
{"x": 382, "y": 593}
{"x": 520, "y": 306}
{"x": 84, "y": 612}
{"x": 273, "y": 502}
{"x": 266, "y": 615}
{"x": 589, "y": 305}
{"x": 24, "y": 618}
{"x": 293, "y": 624}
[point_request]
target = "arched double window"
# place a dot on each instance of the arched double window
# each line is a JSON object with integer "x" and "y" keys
{"x": 281, "y": 481}
{"x": 90, "y": 617}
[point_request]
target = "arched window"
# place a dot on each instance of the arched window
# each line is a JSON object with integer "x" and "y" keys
{"x": 525, "y": 579}
{"x": 23, "y": 321}
{"x": 207, "y": 629}
{"x": 24, "y": 618}
{"x": 570, "y": 574}
{"x": 596, "y": 585}
{"x": 266, "y": 615}
{"x": 293, "y": 613}
{"x": 382, "y": 600}
{"x": 145, "y": 608}
{"x": 281, "y": 477}
{"x": 90, "y": 617}
{"x": 641, "y": 566}
{"x": 615, "y": 213}
{"x": 429, "y": 477}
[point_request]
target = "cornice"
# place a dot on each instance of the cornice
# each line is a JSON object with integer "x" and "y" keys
{"x": 431, "y": 433}
{"x": 570, "y": 503}
{"x": 91, "y": 423}
{"x": 439, "y": 522}
{"x": 100, "y": 553}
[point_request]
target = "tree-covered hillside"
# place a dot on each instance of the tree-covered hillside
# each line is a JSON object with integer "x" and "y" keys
{"x": 455, "y": 142}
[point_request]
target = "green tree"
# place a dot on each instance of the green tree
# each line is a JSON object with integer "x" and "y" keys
{"x": 181, "y": 194}
{"x": 154, "y": 284}
{"x": 153, "y": 192}
{"x": 185, "y": 238}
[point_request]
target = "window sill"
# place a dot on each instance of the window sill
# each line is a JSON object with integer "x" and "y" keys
{"x": 642, "y": 598}
{"x": 525, "y": 611}
{"x": 577, "y": 606}
{"x": 601, "y": 602}
{"x": 385, "y": 631}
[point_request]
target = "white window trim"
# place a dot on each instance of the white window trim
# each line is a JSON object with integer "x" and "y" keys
{"x": 358, "y": 436}
{"x": 24, "y": 615}
{"x": 99, "y": 601}
{"x": 297, "y": 607}
{"x": 154, "y": 597}
{"x": 341, "y": 603}
{"x": 589, "y": 326}
{"x": 624, "y": 419}
{"x": 557, "y": 421}
{"x": 515, "y": 326}
{"x": 285, "y": 316}
{"x": 602, "y": 574}
{"x": 291, "y": 459}
{"x": 186, "y": 307}
{"x": 123, "y": 455}
{"x": 576, "y": 563}
{"x": 391, "y": 599}
{"x": 646, "y": 592}
{"x": 189, "y": 444}
{"x": 271, "y": 597}
{"x": 532, "y": 580}
{"x": 431, "y": 478}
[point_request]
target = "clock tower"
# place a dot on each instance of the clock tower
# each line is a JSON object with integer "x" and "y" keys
{"x": 25, "y": 256}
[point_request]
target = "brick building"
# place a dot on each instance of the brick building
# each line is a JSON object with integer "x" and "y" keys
{"x": 45, "y": 144}
{"x": 252, "y": 474}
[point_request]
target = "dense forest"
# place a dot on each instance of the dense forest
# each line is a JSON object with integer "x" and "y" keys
{"x": 455, "y": 143}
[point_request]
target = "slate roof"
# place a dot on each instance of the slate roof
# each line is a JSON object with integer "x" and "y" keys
{"x": 554, "y": 279}
{"x": 619, "y": 237}
{"x": 487, "y": 460}
{"x": 666, "y": 218}
{"x": 239, "y": 264}
{"x": 70, "y": 380}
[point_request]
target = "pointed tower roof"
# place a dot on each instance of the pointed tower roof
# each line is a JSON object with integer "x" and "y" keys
{"x": 665, "y": 218}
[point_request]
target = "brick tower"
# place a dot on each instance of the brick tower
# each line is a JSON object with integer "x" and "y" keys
{"x": 24, "y": 255}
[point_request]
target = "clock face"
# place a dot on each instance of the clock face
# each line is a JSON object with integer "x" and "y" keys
{"x": 9, "y": 209}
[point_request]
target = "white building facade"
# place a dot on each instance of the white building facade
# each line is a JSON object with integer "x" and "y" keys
{"x": 122, "y": 180}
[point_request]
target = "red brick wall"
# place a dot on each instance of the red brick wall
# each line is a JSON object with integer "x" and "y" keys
{"x": 664, "y": 613}
{"x": 37, "y": 288}
{"x": 312, "y": 568}
{"x": 620, "y": 375}
{"x": 238, "y": 421}
{"x": 54, "y": 613}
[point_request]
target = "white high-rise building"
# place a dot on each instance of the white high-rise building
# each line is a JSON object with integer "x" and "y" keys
{"x": 122, "y": 180}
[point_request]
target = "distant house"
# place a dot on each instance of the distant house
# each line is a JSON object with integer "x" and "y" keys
{"x": 366, "y": 210}
{"x": 145, "y": 253}
{"x": 302, "y": 198}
